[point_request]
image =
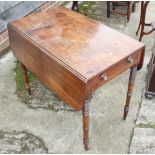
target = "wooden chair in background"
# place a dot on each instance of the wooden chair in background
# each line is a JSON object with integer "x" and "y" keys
{"x": 129, "y": 4}
{"x": 75, "y": 6}
{"x": 142, "y": 23}
{"x": 130, "y": 7}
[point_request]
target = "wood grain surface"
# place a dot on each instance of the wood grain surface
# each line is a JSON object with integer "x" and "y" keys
{"x": 84, "y": 46}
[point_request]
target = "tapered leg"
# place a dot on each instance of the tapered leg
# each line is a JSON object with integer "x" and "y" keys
{"x": 75, "y": 6}
{"x": 130, "y": 88}
{"x": 138, "y": 28}
{"x": 141, "y": 34}
{"x": 133, "y": 6}
{"x": 108, "y": 9}
{"x": 128, "y": 11}
{"x": 86, "y": 125}
{"x": 141, "y": 16}
{"x": 26, "y": 79}
{"x": 113, "y": 5}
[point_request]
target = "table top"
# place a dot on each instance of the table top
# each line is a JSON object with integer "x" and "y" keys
{"x": 82, "y": 45}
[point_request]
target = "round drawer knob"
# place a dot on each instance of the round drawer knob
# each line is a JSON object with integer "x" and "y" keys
{"x": 130, "y": 60}
{"x": 104, "y": 77}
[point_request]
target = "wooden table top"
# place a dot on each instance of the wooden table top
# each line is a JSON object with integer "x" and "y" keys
{"x": 82, "y": 45}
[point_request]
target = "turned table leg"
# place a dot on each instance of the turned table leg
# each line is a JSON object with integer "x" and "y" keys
{"x": 86, "y": 125}
{"x": 26, "y": 79}
{"x": 130, "y": 89}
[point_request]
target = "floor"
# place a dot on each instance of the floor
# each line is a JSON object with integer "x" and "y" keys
{"x": 32, "y": 126}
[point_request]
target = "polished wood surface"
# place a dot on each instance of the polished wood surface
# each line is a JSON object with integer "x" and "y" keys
{"x": 84, "y": 46}
{"x": 73, "y": 54}
{"x": 46, "y": 68}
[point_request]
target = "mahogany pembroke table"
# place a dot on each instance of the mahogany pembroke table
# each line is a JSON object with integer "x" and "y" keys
{"x": 74, "y": 55}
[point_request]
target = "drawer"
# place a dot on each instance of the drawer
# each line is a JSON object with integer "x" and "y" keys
{"x": 112, "y": 72}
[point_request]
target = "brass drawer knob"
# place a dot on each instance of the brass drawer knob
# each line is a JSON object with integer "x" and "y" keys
{"x": 104, "y": 77}
{"x": 130, "y": 60}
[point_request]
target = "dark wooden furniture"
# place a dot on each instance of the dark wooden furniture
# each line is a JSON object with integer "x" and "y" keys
{"x": 129, "y": 4}
{"x": 74, "y": 55}
{"x": 75, "y": 6}
{"x": 150, "y": 83}
{"x": 142, "y": 23}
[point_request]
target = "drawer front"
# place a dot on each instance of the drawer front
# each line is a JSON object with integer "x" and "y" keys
{"x": 112, "y": 72}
